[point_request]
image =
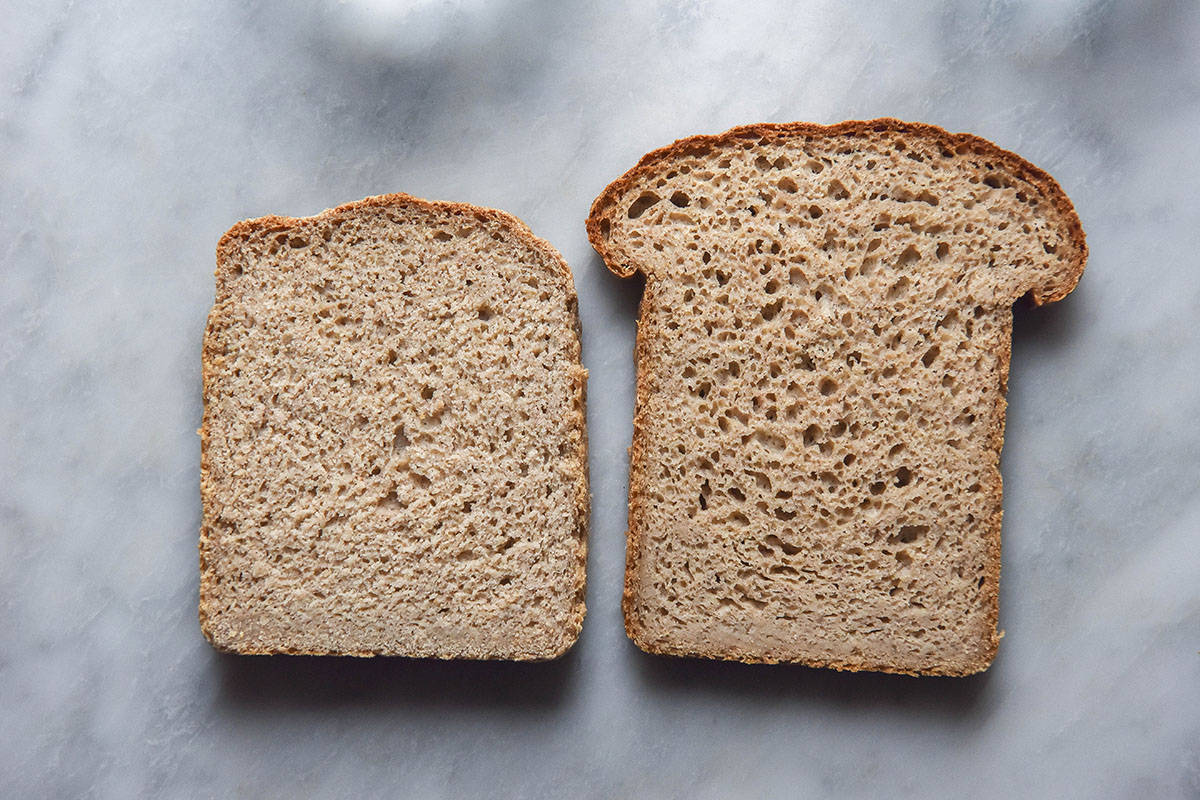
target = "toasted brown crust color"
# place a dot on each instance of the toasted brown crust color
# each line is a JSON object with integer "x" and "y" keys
{"x": 601, "y": 226}
{"x": 228, "y": 637}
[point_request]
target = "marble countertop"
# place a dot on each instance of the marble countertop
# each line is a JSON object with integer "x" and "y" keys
{"x": 132, "y": 134}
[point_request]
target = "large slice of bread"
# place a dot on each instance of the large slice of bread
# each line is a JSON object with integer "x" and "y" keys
{"x": 393, "y": 446}
{"x": 822, "y": 356}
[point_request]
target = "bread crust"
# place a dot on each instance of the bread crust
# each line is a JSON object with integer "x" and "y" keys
{"x": 599, "y": 223}
{"x": 582, "y": 502}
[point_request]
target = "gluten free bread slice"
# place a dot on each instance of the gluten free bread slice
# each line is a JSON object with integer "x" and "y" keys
{"x": 822, "y": 354}
{"x": 393, "y": 445}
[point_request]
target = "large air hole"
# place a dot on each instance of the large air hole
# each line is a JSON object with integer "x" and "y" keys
{"x": 392, "y": 500}
{"x": 644, "y": 202}
{"x": 774, "y": 541}
{"x": 812, "y": 433}
{"x": 898, "y": 289}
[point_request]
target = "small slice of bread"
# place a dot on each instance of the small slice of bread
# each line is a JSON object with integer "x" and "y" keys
{"x": 393, "y": 452}
{"x": 822, "y": 355}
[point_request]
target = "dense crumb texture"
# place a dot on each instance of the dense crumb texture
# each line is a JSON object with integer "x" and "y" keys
{"x": 393, "y": 445}
{"x": 823, "y": 352}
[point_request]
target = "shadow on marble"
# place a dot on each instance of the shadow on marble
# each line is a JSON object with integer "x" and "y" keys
{"x": 793, "y": 684}
{"x": 257, "y": 683}
{"x": 387, "y": 84}
{"x": 618, "y": 298}
{"x": 1052, "y": 326}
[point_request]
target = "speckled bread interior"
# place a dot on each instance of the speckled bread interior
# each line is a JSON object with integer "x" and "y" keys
{"x": 822, "y": 354}
{"x": 393, "y": 443}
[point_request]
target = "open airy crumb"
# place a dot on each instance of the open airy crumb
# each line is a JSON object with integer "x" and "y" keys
{"x": 823, "y": 350}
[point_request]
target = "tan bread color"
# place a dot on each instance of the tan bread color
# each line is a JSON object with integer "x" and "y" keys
{"x": 393, "y": 450}
{"x": 822, "y": 356}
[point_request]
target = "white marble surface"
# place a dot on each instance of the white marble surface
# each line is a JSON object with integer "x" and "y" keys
{"x": 132, "y": 134}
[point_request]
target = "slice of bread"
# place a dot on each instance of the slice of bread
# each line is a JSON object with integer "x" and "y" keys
{"x": 822, "y": 356}
{"x": 393, "y": 452}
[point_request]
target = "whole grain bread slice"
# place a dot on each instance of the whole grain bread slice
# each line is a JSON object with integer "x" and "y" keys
{"x": 393, "y": 451}
{"x": 822, "y": 354}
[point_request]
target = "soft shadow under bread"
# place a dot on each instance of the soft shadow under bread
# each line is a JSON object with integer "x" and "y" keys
{"x": 264, "y": 683}
{"x": 807, "y": 687}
